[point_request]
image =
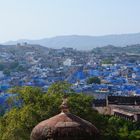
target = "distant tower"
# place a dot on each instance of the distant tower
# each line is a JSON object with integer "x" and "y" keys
{"x": 25, "y": 44}
{"x": 18, "y": 44}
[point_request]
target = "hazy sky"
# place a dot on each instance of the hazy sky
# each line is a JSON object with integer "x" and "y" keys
{"x": 35, "y": 19}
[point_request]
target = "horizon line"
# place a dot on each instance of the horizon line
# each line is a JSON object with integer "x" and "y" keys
{"x": 65, "y": 35}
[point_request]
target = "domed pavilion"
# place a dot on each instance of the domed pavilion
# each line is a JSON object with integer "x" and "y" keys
{"x": 65, "y": 126}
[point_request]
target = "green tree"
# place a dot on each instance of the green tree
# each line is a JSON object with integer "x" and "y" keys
{"x": 20, "y": 68}
{"x": 60, "y": 88}
{"x": 14, "y": 65}
{"x": 134, "y": 135}
{"x": 95, "y": 80}
{"x": 7, "y": 72}
{"x": 107, "y": 61}
{"x": 37, "y": 106}
{"x": 1, "y": 66}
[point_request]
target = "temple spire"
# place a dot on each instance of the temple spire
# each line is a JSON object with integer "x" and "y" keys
{"x": 64, "y": 106}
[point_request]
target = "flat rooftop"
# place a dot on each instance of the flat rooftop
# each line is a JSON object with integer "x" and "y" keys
{"x": 129, "y": 109}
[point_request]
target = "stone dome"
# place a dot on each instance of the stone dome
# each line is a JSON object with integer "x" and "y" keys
{"x": 65, "y": 126}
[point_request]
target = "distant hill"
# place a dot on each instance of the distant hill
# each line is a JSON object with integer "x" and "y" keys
{"x": 131, "y": 49}
{"x": 84, "y": 42}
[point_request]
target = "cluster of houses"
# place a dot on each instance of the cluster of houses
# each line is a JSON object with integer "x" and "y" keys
{"x": 41, "y": 67}
{"x": 118, "y": 80}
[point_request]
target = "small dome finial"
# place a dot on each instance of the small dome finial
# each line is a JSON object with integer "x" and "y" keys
{"x": 64, "y": 106}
